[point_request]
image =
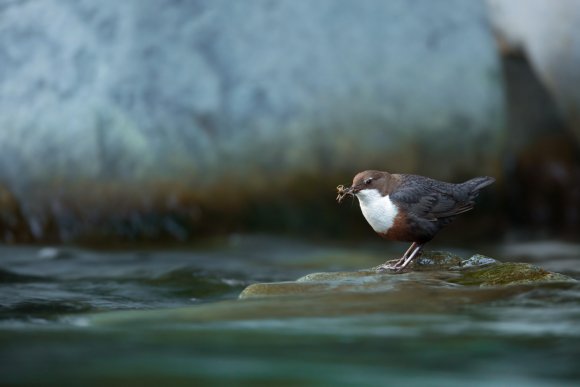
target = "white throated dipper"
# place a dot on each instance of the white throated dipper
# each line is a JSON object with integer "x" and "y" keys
{"x": 410, "y": 208}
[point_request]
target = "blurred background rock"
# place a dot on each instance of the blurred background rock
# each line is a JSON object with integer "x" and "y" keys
{"x": 150, "y": 120}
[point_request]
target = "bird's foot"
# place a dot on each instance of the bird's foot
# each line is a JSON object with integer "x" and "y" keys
{"x": 392, "y": 267}
{"x": 400, "y": 265}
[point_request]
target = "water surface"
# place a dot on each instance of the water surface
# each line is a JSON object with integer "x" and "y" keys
{"x": 49, "y": 336}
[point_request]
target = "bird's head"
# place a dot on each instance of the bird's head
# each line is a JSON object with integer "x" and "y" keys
{"x": 369, "y": 180}
{"x": 365, "y": 183}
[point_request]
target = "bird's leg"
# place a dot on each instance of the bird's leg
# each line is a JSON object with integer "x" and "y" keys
{"x": 399, "y": 262}
{"x": 409, "y": 258}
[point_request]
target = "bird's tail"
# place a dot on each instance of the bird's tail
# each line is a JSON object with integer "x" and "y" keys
{"x": 474, "y": 185}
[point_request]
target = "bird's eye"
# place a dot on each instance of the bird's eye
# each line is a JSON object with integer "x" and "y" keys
{"x": 368, "y": 181}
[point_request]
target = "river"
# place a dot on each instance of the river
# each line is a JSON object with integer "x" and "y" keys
{"x": 53, "y": 301}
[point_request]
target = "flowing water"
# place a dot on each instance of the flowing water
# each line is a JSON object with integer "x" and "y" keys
{"x": 58, "y": 324}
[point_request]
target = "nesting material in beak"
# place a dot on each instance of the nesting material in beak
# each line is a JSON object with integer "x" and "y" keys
{"x": 342, "y": 192}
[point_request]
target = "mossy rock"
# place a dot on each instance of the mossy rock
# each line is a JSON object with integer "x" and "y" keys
{"x": 444, "y": 260}
{"x": 478, "y": 260}
{"x": 322, "y": 283}
{"x": 433, "y": 269}
{"x": 428, "y": 261}
{"x": 510, "y": 273}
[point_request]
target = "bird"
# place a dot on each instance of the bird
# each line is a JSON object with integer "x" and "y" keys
{"x": 410, "y": 208}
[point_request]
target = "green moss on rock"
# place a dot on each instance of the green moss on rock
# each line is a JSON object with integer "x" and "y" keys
{"x": 510, "y": 273}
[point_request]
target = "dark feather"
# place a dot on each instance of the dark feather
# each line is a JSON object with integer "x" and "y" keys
{"x": 432, "y": 200}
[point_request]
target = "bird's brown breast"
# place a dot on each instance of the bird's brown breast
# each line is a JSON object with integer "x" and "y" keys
{"x": 409, "y": 228}
{"x": 400, "y": 230}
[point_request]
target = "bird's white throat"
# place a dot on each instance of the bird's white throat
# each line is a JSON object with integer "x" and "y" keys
{"x": 378, "y": 210}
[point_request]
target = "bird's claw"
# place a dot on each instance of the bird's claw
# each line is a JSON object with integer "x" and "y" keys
{"x": 387, "y": 267}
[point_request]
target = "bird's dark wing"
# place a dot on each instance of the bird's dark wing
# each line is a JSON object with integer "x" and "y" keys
{"x": 431, "y": 201}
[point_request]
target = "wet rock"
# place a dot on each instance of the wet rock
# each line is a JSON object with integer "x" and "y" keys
{"x": 332, "y": 282}
{"x": 196, "y": 92}
{"x": 194, "y": 82}
{"x": 478, "y": 260}
{"x": 444, "y": 260}
{"x": 436, "y": 260}
{"x": 510, "y": 273}
{"x": 433, "y": 269}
